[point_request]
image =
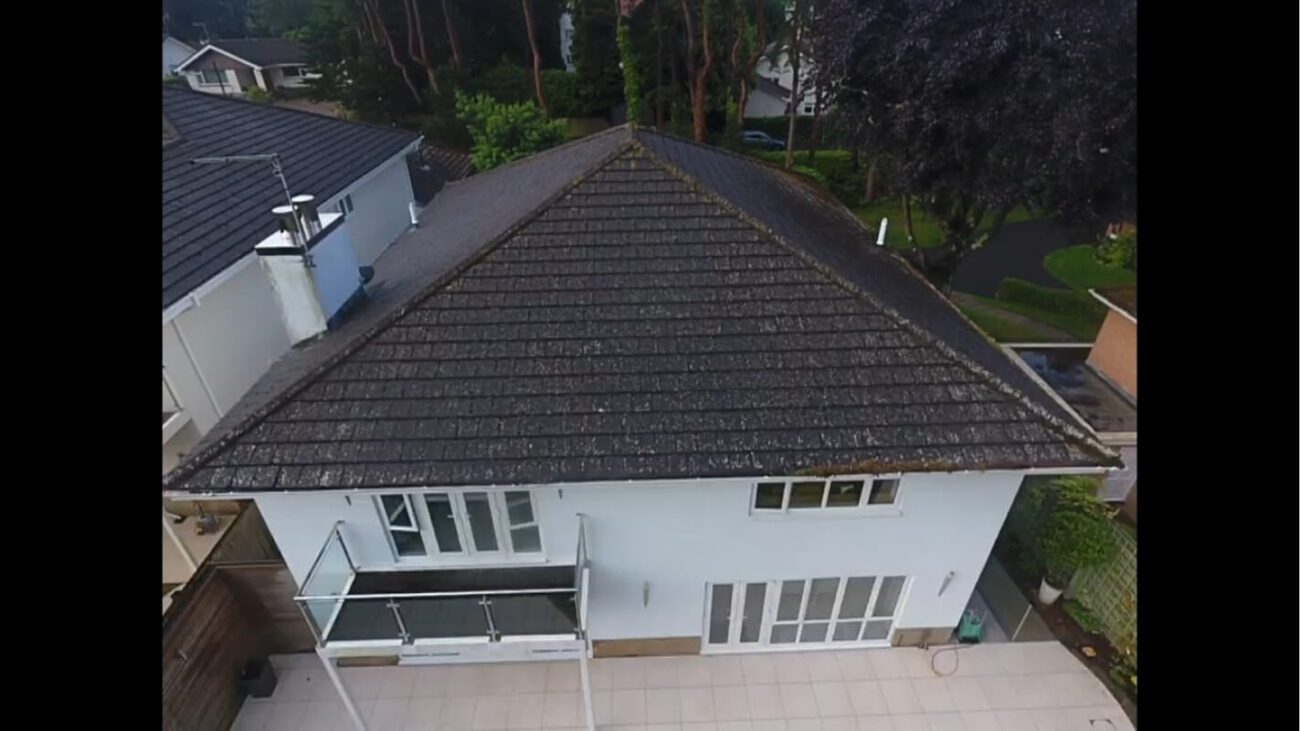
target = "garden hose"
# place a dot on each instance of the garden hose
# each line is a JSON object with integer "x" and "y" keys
{"x": 956, "y": 656}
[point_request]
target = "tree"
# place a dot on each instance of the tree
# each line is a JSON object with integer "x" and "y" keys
{"x": 985, "y": 106}
{"x": 505, "y": 132}
{"x": 795, "y": 54}
{"x": 537, "y": 57}
{"x": 697, "y": 68}
{"x": 374, "y": 16}
{"x": 1075, "y": 531}
{"x": 747, "y": 51}
{"x": 595, "y": 54}
{"x": 452, "y": 36}
{"x": 278, "y": 17}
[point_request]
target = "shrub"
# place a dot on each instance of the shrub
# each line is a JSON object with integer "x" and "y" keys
{"x": 1120, "y": 251}
{"x": 1075, "y": 531}
{"x": 256, "y": 94}
{"x": 505, "y": 132}
{"x": 834, "y": 169}
{"x": 1062, "y": 301}
{"x": 1084, "y": 616}
{"x": 561, "y": 89}
{"x": 506, "y": 82}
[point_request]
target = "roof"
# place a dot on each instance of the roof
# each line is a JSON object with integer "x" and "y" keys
{"x": 772, "y": 87}
{"x": 454, "y": 164}
{"x": 213, "y": 215}
{"x": 633, "y": 306}
{"x": 260, "y": 52}
{"x": 1105, "y": 407}
{"x": 1124, "y": 299}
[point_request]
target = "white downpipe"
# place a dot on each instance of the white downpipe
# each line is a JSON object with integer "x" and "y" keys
{"x": 189, "y": 354}
{"x": 348, "y": 705}
{"x": 170, "y": 530}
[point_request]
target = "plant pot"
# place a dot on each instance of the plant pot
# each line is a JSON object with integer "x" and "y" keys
{"x": 258, "y": 678}
{"x": 1048, "y": 594}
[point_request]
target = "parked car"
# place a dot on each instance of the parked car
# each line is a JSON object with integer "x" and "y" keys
{"x": 760, "y": 139}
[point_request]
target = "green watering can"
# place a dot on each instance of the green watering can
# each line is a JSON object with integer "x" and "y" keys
{"x": 971, "y": 627}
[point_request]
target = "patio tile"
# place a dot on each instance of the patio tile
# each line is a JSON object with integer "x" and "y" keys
{"x": 1032, "y": 692}
{"x": 1094, "y": 718}
{"x": 388, "y": 714}
{"x": 764, "y": 702}
{"x": 916, "y": 662}
{"x": 840, "y": 723}
{"x": 1051, "y": 657}
{"x": 602, "y": 707}
{"x": 663, "y": 705}
{"x": 999, "y": 692}
{"x": 398, "y": 682}
{"x": 602, "y": 675}
{"x": 735, "y": 726}
{"x": 253, "y": 717}
{"x": 832, "y": 699}
{"x": 1016, "y": 720}
{"x": 362, "y": 683}
{"x": 798, "y": 700}
{"x": 663, "y": 727}
{"x": 875, "y": 723}
{"x": 822, "y": 666}
{"x": 866, "y": 698}
{"x": 525, "y": 711}
{"x": 423, "y": 713}
{"x": 692, "y": 672}
{"x": 730, "y": 703}
{"x": 629, "y": 727}
{"x": 490, "y": 712}
{"x": 563, "y": 677}
{"x": 323, "y": 715}
{"x": 1077, "y": 689}
{"x": 458, "y": 713}
{"x": 697, "y": 706}
{"x": 661, "y": 672}
{"x": 899, "y": 696}
{"x": 769, "y": 724}
{"x": 791, "y": 667}
{"x": 803, "y": 724}
{"x": 945, "y": 722}
{"x": 887, "y": 664}
{"x": 933, "y": 694}
{"x": 628, "y": 707}
{"x": 560, "y": 710}
{"x": 295, "y": 684}
{"x": 911, "y": 722}
{"x": 1014, "y": 657}
{"x": 725, "y": 670}
{"x": 981, "y": 721}
{"x": 975, "y": 660}
{"x": 629, "y": 673}
{"x": 966, "y": 694}
{"x": 465, "y": 680}
{"x": 1051, "y": 719}
{"x": 758, "y": 669}
{"x": 944, "y": 662}
{"x": 288, "y": 715}
{"x": 854, "y": 665}
{"x": 528, "y": 677}
{"x": 501, "y": 676}
{"x": 429, "y": 682}
{"x": 700, "y": 726}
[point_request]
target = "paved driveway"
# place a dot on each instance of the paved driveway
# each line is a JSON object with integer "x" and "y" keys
{"x": 1016, "y": 251}
{"x": 1027, "y": 686}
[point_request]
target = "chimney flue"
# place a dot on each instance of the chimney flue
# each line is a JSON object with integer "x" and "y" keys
{"x": 307, "y": 212}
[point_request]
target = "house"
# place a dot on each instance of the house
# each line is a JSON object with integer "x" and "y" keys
{"x": 175, "y": 51}
{"x": 775, "y": 79}
{"x": 221, "y": 324}
{"x": 231, "y": 67}
{"x": 1098, "y": 384}
{"x": 635, "y": 395}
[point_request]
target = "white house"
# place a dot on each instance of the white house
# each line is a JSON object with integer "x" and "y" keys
{"x": 231, "y": 67}
{"x": 175, "y": 52}
{"x": 221, "y": 325}
{"x": 774, "y": 81}
{"x": 636, "y": 395}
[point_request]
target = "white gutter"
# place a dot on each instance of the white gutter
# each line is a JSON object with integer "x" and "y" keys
{"x": 1113, "y": 306}
{"x": 196, "y": 295}
{"x": 368, "y": 491}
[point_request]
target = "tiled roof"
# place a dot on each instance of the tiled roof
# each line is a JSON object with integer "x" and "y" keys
{"x": 213, "y": 215}
{"x": 643, "y": 307}
{"x": 456, "y": 164}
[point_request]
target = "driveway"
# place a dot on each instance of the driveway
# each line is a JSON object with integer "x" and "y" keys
{"x": 1026, "y": 686}
{"x": 1016, "y": 251}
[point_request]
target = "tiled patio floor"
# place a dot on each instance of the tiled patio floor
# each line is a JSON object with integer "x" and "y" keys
{"x": 1027, "y": 686}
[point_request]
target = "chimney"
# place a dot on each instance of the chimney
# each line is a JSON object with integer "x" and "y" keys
{"x": 312, "y": 268}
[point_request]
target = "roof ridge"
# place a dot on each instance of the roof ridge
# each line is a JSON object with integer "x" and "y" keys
{"x": 200, "y": 458}
{"x": 261, "y": 105}
{"x": 1058, "y": 425}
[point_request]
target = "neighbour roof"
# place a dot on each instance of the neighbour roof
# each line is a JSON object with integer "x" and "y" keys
{"x": 1105, "y": 407}
{"x": 454, "y": 163}
{"x": 636, "y": 306}
{"x": 772, "y": 87}
{"x": 258, "y": 51}
{"x": 213, "y": 215}
{"x": 1124, "y": 299}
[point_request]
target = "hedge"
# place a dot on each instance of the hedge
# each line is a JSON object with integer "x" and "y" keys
{"x": 779, "y": 127}
{"x": 1066, "y": 302}
{"x": 833, "y": 168}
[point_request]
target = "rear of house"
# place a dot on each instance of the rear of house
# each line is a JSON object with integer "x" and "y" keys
{"x": 633, "y": 396}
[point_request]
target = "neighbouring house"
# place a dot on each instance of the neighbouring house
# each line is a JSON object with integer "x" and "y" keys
{"x": 635, "y": 395}
{"x": 233, "y": 66}
{"x": 1098, "y": 383}
{"x": 175, "y": 51}
{"x": 775, "y": 78}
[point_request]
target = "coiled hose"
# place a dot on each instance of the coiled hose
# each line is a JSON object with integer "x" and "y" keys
{"x": 956, "y": 657}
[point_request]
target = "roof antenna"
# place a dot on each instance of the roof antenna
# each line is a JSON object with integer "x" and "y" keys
{"x": 880, "y": 238}
{"x": 278, "y": 170}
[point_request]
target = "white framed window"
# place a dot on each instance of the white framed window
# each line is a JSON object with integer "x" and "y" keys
{"x": 292, "y": 72}
{"x": 345, "y": 204}
{"x": 461, "y": 525}
{"x": 824, "y": 611}
{"x": 819, "y": 495}
{"x": 211, "y": 77}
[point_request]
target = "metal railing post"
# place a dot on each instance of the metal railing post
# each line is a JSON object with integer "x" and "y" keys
{"x": 493, "y": 634}
{"x": 401, "y": 626}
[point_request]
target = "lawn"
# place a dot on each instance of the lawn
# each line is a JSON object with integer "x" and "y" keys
{"x": 927, "y": 229}
{"x": 1003, "y": 331}
{"x": 1078, "y": 267}
{"x": 1071, "y": 315}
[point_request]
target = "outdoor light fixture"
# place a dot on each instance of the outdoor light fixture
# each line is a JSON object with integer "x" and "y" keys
{"x": 946, "y": 581}
{"x": 645, "y": 594}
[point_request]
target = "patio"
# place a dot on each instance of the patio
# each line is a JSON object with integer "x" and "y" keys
{"x": 1013, "y": 686}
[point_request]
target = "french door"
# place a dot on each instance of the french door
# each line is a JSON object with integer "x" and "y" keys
{"x": 452, "y": 524}
{"x": 802, "y": 612}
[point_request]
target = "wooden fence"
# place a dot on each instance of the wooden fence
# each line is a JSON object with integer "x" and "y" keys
{"x": 237, "y": 607}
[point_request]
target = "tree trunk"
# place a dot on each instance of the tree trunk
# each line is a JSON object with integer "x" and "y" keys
{"x": 365, "y": 20}
{"x": 372, "y": 7}
{"x": 796, "y": 33}
{"x": 907, "y": 220}
{"x": 698, "y": 76}
{"x": 537, "y": 57}
{"x": 814, "y": 140}
{"x": 659, "y": 69}
{"x": 451, "y": 35}
{"x": 751, "y": 63}
{"x": 414, "y": 29}
{"x": 871, "y": 182}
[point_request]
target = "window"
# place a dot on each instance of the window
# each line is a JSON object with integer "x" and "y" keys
{"x": 461, "y": 524}
{"x": 823, "y": 495}
{"x": 211, "y": 77}
{"x": 807, "y": 109}
{"x": 345, "y": 204}
{"x": 822, "y": 611}
{"x": 292, "y": 71}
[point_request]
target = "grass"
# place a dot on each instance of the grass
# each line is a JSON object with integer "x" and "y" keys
{"x": 1077, "y": 267}
{"x": 1003, "y": 331}
{"x": 1084, "y": 328}
{"x": 927, "y": 229}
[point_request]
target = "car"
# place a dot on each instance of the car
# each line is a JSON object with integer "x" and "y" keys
{"x": 762, "y": 140}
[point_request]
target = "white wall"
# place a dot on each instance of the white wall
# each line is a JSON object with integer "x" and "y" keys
{"x": 380, "y": 209}
{"x": 781, "y": 70}
{"x": 762, "y": 104}
{"x": 174, "y": 52}
{"x": 679, "y": 536}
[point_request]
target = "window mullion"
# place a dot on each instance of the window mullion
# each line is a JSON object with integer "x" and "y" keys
{"x": 876, "y": 581}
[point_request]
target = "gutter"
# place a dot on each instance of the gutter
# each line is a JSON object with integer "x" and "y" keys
{"x": 1113, "y": 306}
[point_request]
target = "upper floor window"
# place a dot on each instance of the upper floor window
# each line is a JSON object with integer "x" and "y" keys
{"x": 460, "y": 524}
{"x": 823, "y": 495}
{"x": 345, "y": 204}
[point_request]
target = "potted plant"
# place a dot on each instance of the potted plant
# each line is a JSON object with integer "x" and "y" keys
{"x": 1075, "y": 533}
